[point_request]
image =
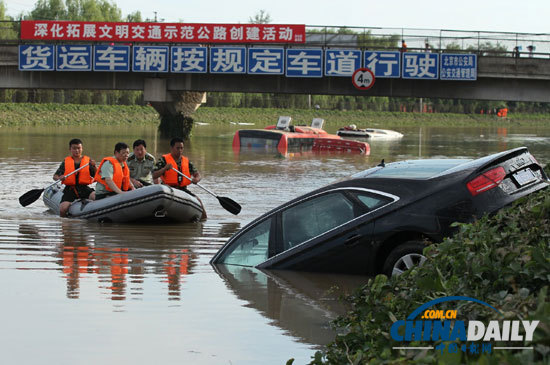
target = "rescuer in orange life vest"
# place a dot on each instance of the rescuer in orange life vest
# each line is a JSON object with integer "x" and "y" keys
{"x": 113, "y": 175}
{"x": 76, "y": 185}
{"x": 176, "y": 160}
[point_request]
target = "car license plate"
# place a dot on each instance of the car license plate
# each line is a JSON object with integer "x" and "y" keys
{"x": 524, "y": 177}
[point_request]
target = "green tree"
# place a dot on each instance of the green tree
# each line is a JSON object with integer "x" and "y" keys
{"x": 3, "y": 15}
{"x": 7, "y": 28}
{"x": 93, "y": 10}
{"x": 79, "y": 10}
{"x": 489, "y": 49}
{"x": 48, "y": 10}
{"x": 454, "y": 46}
{"x": 369, "y": 40}
{"x": 134, "y": 17}
{"x": 261, "y": 17}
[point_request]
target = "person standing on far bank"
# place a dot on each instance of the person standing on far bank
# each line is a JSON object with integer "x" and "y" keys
{"x": 176, "y": 159}
{"x": 113, "y": 175}
{"x": 141, "y": 164}
{"x": 76, "y": 185}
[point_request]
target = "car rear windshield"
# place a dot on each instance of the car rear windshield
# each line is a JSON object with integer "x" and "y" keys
{"x": 413, "y": 169}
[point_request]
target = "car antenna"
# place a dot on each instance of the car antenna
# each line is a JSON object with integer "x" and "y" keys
{"x": 382, "y": 164}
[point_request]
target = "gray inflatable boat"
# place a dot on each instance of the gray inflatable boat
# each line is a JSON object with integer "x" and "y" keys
{"x": 150, "y": 203}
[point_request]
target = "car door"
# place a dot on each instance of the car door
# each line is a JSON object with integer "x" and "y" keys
{"x": 330, "y": 232}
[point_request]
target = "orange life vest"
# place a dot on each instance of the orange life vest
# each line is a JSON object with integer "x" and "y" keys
{"x": 121, "y": 176}
{"x": 170, "y": 177}
{"x": 84, "y": 177}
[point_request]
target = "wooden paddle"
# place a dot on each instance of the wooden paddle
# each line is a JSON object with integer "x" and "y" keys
{"x": 228, "y": 204}
{"x": 31, "y": 196}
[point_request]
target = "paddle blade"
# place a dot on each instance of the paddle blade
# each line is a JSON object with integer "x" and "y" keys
{"x": 30, "y": 197}
{"x": 230, "y": 205}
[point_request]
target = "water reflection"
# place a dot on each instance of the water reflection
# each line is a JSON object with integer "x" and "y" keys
{"x": 227, "y": 229}
{"x": 116, "y": 255}
{"x": 301, "y": 303}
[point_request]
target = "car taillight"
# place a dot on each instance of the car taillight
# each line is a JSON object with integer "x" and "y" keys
{"x": 486, "y": 181}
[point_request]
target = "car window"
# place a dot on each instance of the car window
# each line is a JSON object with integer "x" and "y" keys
{"x": 251, "y": 248}
{"x": 314, "y": 217}
{"x": 372, "y": 201}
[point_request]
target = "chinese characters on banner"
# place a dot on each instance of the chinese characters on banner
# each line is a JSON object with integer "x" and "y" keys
{"x": 266, "y": 61}
{"x": 161, "y": 32}
{"x": 458, "y": 67}
{"x": 292, "y": 62}
{"x": 37, "y": 58}
{"x": 228, "y": 60}
{"x": 383, "y": 64}
{"x": 420, "y": 65}
{"x": 342, "y": 62}
{"x": 150, "y": 59}
{"x": 74, "y": 58}
{"x": 111, "y": 58}
{"x": 188, "y": 59}
{"x": 304, "y": 62}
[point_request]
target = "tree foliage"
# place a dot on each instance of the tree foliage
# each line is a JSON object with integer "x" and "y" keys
{"x": 261, "y": 17}
{"x": 78, "y": 10}
{"x": 7, "y": 28}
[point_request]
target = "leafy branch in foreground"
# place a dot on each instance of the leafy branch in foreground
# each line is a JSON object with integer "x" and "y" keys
{"x": 503, "y": 260}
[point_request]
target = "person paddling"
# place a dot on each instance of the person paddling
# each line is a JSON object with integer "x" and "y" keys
{"x": 113, "y": 175}
{"x": 175, "y": 159}
{"x": 76, "y": 185}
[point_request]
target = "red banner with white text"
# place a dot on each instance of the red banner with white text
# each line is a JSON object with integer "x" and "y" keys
{"x": 162, "y": 32}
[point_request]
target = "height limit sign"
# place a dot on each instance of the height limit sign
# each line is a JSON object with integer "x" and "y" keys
{"x": 362, "y": 78}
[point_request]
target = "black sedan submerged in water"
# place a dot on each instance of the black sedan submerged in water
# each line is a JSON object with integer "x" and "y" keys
{"x": 379, "y": 220}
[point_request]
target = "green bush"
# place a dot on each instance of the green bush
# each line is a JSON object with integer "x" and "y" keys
{"x": 503, "y": 260}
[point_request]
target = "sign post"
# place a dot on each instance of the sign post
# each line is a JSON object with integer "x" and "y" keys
{"x": 363, "y": 78}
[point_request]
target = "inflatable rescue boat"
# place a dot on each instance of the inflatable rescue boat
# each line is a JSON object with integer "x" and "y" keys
{"x": 150, "y": 203}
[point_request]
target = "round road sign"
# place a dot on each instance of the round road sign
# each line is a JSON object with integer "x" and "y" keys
{"x": 363, "y": 78}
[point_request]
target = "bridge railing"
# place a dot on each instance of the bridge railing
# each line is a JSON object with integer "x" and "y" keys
{"x": 504, "y": 44}
{"x": 417, "y": 39}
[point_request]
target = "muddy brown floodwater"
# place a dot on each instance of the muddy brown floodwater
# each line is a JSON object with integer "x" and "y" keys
{"x": 76, "y": 292}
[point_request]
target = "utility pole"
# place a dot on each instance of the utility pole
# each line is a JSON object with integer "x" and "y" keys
{"x": 155, "y": 16}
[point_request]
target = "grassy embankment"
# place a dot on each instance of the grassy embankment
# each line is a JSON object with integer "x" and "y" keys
{"x": 503, "y": 260}
{"x": 363, "y": 119}
{"x": 26, "y": 114}
{"x": 74, "y": 114}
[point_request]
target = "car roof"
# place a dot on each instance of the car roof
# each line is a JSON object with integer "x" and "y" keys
{"x": 412, "y": 169}
{"x": 430, "y": 168}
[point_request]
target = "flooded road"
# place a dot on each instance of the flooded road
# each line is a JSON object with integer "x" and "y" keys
{"x": 87, "y": 293}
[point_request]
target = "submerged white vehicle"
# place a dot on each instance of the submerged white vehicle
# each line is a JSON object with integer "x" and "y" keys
{"x": 372, "y": 133}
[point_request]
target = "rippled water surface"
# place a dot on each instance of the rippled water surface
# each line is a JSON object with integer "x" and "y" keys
{"x": 75, "y": 292}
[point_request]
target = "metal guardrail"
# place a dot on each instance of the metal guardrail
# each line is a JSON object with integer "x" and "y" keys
{"x": 435, "y": 40}
{"x": 506, "y": 44}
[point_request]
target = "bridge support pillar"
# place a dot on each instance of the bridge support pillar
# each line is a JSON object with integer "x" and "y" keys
{"x": 175, "y": 107}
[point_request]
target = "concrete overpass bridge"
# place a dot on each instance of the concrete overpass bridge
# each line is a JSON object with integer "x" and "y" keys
{"x": 501, "y": 74}
{"x": 498, "y": 78}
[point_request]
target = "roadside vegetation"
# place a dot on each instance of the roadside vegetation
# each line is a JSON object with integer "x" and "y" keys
{"x": 503, "y": 260}
{"x": 24, "y": 114}
{"x": 73, "y": 114}
{"x": 362, "y": 118}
